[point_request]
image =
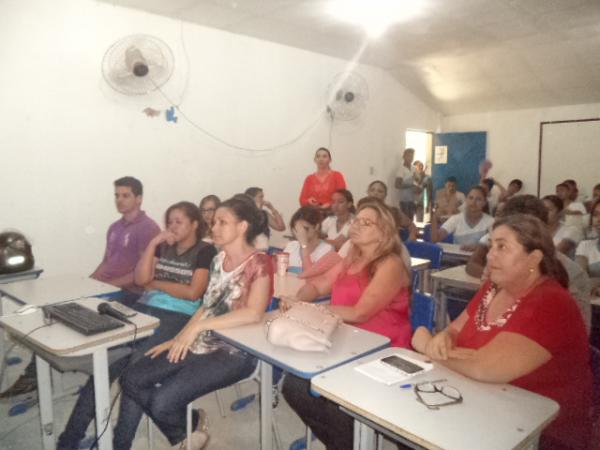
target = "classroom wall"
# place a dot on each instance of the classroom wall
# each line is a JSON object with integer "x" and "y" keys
{"x": 65, "y": 136}
{"x": 513, "y": 139}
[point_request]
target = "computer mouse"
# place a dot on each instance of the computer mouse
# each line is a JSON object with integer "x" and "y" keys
{"x": 27, "y": 309}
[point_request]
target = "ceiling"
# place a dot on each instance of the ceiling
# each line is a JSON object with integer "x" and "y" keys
{"x": 458, "y": 56}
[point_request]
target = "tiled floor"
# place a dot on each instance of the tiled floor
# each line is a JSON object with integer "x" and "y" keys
{"x": 238, "y": 430}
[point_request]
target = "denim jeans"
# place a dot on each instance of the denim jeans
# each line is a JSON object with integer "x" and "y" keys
{"x": 84, "y": 410}
{"x": 162, "y": 390}
{"x": 331, "y": 426}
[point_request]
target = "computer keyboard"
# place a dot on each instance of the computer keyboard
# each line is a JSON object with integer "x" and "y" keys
{"x": 82, "y": 319}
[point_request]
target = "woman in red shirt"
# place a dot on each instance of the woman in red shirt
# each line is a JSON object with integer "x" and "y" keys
{"x": 320, "y": 186}
{"x": 523, "y": 328}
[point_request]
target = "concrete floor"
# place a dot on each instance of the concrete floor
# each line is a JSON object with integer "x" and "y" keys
{"x": 238, "y": 430}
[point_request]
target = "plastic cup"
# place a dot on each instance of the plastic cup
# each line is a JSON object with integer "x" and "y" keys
{"x": 282, "y": 261}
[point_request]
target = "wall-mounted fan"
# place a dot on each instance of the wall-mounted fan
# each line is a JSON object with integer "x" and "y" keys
{"x": 137, "y": 64}
{"x": 347, "y": 96}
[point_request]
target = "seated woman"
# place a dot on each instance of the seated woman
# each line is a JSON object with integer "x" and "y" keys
{"x": 196, "y": 363}
{"x": 174, "y": 271}
{"x": 273, "y": 218}
{"x": 369, "y": 289}
{"x": 565, "y": 237}
{"x": 468, "y": 226}
{"x": 208, "y": 206}
{"x": 587, "y": 254}
{"x": 309, "y": 254}
{"x": 335, "y": 227}
{"x": 408, "y": 231}
{"x": 523, "y": 328}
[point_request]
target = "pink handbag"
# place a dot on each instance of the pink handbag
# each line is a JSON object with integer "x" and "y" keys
{"x": 305, "y": 327}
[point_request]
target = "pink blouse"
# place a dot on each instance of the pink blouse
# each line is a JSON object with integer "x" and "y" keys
{"x": 392, "y": 321}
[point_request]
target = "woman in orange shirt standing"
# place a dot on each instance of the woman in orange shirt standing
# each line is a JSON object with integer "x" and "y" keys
{"x": 319, "y": 186}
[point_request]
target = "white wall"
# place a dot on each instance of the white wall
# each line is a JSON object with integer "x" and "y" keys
{"x": 65, "y": 136}
{"x": 513, "y": 139}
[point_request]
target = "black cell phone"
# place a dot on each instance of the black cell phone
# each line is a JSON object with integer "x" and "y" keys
{"x": 402, "y": 364}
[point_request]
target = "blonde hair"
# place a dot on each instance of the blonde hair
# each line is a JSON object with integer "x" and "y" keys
{"x": 390, "y": 243}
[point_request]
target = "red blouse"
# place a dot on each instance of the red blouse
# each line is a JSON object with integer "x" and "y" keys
{"x": 550, "y": 317}
{"x": 321, "y": 191}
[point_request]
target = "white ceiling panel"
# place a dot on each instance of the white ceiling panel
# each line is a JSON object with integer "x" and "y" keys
{"x": 458, "y": 55}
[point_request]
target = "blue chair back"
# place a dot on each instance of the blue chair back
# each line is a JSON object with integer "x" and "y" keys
{"x": 422, "y": 311}
{"x": 294, "y": 269}
{"x": 426, "y": 250}
{"x": 404, "y": 234}
{"x": 427, "y": 235}
{"x": 272, "y": 250}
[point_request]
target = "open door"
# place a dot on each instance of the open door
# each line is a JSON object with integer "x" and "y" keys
{"x": 458, "y": 155}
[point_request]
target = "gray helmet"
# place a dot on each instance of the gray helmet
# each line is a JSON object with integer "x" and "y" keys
{"x": 15, "y": 253}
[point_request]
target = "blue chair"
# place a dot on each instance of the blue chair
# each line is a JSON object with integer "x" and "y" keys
{"x": 422, "y": 311}
{"x": 427, "y": 235}
{"x": 272, "y": 250}
{"x": 426, "y": 250}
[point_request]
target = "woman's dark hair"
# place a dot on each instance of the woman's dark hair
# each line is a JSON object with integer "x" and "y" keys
{"x": 532, "y": 234}
{"x": 378, "y": 182}
{"x": 516, "y": 182}
{"x": 310, "y": 214}
{"x": 556, "y": 201}
{"x": 325, "y": 150}
{"x": 253, "y": 191}
{"x": 593, "y": 208}
{"x": 525, "y": 204}
{"x": 244, "y": 208}
{"x": 192, "y": 212}
{"x": 211, "y": 197}
{"x": 349, "y": 198}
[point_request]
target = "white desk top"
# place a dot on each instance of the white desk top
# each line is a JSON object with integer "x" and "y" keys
{"x": 62, "y": 340}
{"x": 48, "y": 290}
{"x": 348, "y": 343}
{"x": 457, "y": 275}
{"x": 596, "y": 301}
{"x": 491, "y": 417}
{"x": 20, "y": 276}
{"x": 454, "y": 249}
{"x": 419, "y": 263}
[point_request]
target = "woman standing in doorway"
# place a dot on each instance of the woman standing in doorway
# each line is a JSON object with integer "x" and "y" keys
{"x": 319, "y": 186}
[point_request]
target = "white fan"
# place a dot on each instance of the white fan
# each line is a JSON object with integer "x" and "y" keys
{"x": 347, "y": 96}
{"x": 137, "y": 64}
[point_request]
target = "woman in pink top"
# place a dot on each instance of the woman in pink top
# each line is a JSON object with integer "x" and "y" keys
{"x": 369, "y": 289}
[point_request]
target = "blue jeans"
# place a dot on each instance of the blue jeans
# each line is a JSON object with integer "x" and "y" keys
{"x": 85, "y": 408}
{"x": 162, "y": 390}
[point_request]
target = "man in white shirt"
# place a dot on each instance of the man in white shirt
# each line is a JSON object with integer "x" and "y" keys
{"x": 405, "y": 183}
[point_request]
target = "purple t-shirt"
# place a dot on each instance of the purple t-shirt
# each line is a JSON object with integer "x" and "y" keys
{"x": 125, "y": 243}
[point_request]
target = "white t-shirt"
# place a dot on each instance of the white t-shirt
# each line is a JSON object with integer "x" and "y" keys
{"x": 329, "y": 228}
{"x": 570, "y": 233}
{"x": 463, "y": 233}
{"x": 293, "y": 248}
{"x": 590, "y": 250}
{"x": 407, "y": 188}
{"x": 577, "y": 207}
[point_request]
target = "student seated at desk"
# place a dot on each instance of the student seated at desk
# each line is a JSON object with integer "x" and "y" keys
{"x": 309, "y": 254}
{"x": 174, "y": 271}
{"x": 370, "y": 289}
{"x": 565, "y": 237}
{"x": 523, "y": 328}
{"x": 335, "y": 227}
{"x": 468, "y": 226}
{"x": 273, "y": 218}
{"x": 208, "y": 206}
{"x": 579, "y": 282}
{"x": 587, "y": 254}
{"x": 194, "y": 362}
{"x": 408, "y": 231}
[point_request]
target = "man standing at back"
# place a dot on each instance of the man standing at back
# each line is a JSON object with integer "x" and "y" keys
{"x": 126, "y": 240}
{"x": 405, "y": 183}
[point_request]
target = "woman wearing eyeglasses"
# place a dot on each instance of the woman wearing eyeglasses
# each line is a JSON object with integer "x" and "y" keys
{"x": 523, "y": 328}
{"x": 208, "y": 206}
{"x": 369, "y": 289}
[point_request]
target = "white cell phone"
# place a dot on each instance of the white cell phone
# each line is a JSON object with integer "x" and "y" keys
{"x": 125, "y": 310}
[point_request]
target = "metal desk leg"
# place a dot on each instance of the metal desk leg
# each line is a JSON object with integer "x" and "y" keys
{"x": 266, "y": 405}
{"x": 102, "y": 396}
{"x": 443, "y": 320}
{"x": 364, "y": 436}
{"x": 45, "y": 398}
